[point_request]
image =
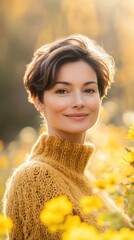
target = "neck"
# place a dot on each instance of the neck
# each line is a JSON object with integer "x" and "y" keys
{"x": 76, "y": 138}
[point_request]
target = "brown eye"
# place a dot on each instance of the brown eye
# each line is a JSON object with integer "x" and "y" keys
{"x": 89, "y": 91}
{"x": 61, "y": 91}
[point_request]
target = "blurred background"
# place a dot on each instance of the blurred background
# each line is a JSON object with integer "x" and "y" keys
{"x": 28, "y": 24}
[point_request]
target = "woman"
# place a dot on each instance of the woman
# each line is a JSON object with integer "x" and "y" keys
{"x": 66, "y": 81}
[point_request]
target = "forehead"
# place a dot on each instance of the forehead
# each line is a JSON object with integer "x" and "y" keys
{"x": 78, "y": 70}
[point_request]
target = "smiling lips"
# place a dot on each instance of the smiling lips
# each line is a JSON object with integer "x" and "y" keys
{"x": 77, "y": 116}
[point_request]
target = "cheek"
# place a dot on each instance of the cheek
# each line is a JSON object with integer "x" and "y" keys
{"x": 54, "y": 107}
{"x": 95, "y": 104}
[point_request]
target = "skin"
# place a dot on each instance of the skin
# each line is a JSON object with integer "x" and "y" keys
{"x": 72, "y": 106}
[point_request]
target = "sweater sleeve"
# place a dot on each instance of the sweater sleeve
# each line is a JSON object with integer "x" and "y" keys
{"x": 27, "y": 191}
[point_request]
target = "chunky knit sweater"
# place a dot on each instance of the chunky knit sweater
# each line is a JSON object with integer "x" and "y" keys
{"x": 54, "y": 167}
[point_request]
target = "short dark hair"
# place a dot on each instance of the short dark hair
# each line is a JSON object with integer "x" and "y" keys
{"x": 41, "y": 72}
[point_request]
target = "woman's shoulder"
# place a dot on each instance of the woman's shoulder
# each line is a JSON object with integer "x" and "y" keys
{"x": 30, "y": 171}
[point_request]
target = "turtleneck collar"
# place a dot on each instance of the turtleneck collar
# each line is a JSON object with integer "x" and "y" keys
{"x": 72, "y": 155}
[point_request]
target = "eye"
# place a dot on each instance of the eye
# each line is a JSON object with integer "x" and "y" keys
{"x": 89, "y": 91}
{"x": 61, "y": 91}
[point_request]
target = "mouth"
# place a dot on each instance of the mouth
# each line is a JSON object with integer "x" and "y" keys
{"x": 77, "y": 116}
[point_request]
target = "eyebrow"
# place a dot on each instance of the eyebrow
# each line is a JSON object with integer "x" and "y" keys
{"x": 68, "y": 83}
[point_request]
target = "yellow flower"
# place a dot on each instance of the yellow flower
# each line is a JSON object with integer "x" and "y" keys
{"x": 123, "y": 234}
{"x": 101, "y": 219}
{"x": 108, "y": 235}
{"x": 6, "y": 224}
{"x": 51, "y": 219}
{"x": 90, "y": 203}
{"x": 129, "y": 157}
{"x": 81, "y": 232}
{"x": 55, "y": 211}
{"x": 127, "y": 171}
{"x": 120, "y": 201}
{"x": 70, "y": 222}
{"x": 126, "y": 233}
{"x": 54, "y": 228}
{"x": 130, "y": 135}
{"x": 108, "y": 181}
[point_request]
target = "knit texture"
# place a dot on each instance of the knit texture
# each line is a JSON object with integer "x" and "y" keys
{"x": 54, "y": 167}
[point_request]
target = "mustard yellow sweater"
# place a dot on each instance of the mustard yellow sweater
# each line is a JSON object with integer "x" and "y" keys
{"x": 54, "y": 167}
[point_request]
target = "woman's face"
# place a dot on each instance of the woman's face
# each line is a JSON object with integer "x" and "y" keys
{"x": 72, "y": 105}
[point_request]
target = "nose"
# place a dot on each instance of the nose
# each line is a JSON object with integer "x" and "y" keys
{"x": 78, "y": 101}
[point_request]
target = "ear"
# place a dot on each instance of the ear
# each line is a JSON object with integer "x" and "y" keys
{"x": 38, "y": 104}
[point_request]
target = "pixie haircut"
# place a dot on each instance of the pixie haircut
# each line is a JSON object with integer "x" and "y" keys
{"x": 41, "y": 72}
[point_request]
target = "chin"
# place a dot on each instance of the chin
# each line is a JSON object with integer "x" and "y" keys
{"x": 77, "y": 130}
{"x": 82, "y": 128}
